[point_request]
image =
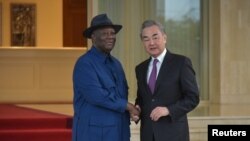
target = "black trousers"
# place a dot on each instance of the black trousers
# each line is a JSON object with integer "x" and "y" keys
{"x": 153, "y": 138}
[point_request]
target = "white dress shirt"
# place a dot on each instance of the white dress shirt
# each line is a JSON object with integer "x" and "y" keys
{"x": 160, "y": 59}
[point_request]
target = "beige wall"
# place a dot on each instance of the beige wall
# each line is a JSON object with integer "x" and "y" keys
{"x": 37, "y": 75}
{"x": 229, "y": 60}
{"x": 48, "y": 22}
{"x": 235, "y": 58}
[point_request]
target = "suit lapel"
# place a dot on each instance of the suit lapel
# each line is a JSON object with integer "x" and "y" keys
{"x": 163, "y": 70}
{"x": 144, "y": 75}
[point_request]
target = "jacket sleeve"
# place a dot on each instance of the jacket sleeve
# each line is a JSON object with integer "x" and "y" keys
{"x": 89, "y": 87}
{"x": 189, "y": 91}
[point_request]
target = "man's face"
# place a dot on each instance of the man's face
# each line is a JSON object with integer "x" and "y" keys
{"x": 153, "y": 40}
{"x": 104, "y": 39}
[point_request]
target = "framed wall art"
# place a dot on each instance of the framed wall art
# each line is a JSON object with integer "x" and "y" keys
{"x": 1, "y": 24}
{"x": 23, "y": 24}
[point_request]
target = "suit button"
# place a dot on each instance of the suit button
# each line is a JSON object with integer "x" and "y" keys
{"x": 153, "y": 100}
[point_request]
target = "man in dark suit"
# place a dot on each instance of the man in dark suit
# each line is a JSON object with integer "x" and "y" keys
{"x": 167, "y": 88}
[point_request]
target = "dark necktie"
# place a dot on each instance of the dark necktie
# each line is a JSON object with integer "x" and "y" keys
{"x": 152, "y": 77}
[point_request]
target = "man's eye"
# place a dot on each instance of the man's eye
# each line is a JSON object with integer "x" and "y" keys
{"x": 155, "y": 38}
{"x": 108, "y": 34}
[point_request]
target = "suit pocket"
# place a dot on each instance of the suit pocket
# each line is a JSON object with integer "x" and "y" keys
{"x": 103, "y": 128}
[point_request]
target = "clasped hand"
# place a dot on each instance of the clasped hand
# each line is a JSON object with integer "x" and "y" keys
{"x": 134, "y": 112}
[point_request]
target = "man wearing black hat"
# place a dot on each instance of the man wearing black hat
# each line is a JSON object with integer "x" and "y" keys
{"x": 101, "y": 108}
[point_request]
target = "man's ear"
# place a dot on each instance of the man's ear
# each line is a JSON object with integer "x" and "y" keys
{"x": 165, "y": 37}
{"x": 92, "y": 35}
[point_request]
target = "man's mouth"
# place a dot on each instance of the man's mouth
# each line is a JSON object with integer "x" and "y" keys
{"x": 153, "y": 48}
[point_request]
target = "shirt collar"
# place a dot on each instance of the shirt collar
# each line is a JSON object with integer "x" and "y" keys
{"x": 100, "y": 55}
{"x": 161, "y": 56}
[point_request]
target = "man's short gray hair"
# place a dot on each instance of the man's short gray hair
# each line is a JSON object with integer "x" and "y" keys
{"x": 149, "y": 23}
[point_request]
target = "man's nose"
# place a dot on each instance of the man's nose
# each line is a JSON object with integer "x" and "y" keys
{"x": 151, "y": 41}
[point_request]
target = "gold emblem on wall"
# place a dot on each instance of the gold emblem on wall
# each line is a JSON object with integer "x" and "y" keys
{"x": 23, "y": 25}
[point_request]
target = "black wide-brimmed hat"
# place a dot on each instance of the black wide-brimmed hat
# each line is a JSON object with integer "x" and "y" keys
{"x": 100, "y": 21}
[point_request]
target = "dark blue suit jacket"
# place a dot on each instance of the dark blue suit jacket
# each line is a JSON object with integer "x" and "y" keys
{"x": 99, "y": 100}
{"x": 176, "y": 89}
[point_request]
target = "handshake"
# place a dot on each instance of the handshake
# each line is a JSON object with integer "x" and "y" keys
{"x": 134, "y": 111}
